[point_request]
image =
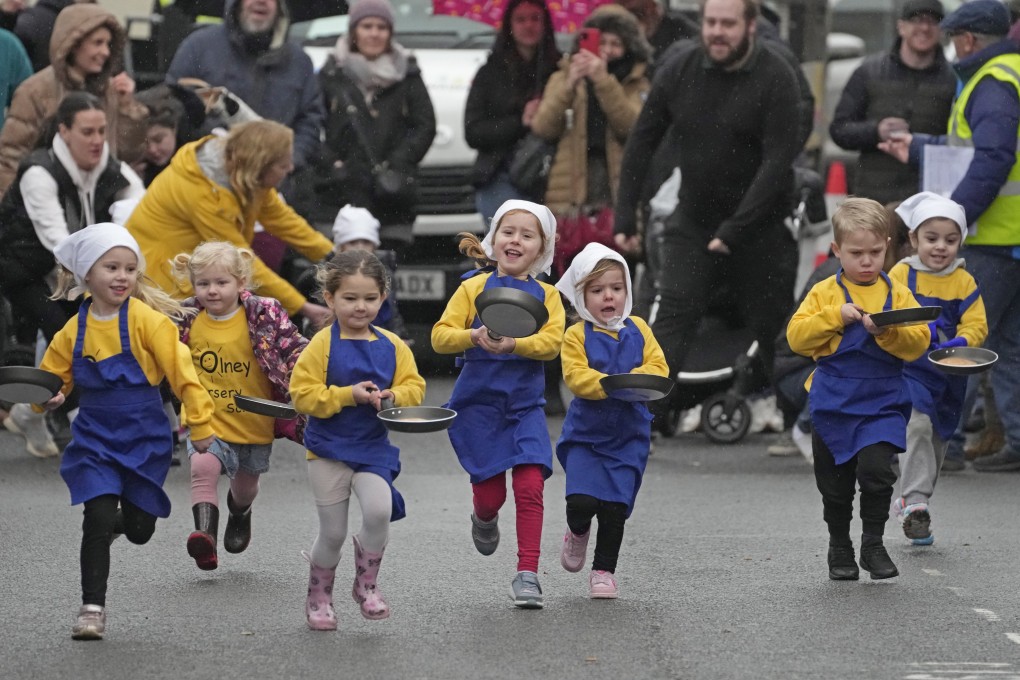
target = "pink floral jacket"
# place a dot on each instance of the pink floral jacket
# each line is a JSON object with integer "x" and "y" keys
{"x": 277, "y": 343}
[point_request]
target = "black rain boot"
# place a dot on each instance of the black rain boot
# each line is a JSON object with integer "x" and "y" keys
{"x": 842, "y": 566}
{"x": 202, "y": 541}
{"x": 237, "y": 535}
{"x": 875, "y": 559}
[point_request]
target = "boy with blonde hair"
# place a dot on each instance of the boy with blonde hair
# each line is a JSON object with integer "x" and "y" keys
{"x": 858, "y": 398}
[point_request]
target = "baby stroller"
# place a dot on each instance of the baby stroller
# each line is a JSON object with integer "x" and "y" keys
{"x": 722, "y": 367}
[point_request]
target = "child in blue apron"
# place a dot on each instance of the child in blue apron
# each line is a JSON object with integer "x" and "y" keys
{"x": 498, "y": 396}
{"x": 936, "y": 276}
{"x": 340, "y": 380}
{"x": 115, "y": 352}
{"x": 240, "y": 344}
{"x": 604, "y": 445}
{"x": 857, "y": 394}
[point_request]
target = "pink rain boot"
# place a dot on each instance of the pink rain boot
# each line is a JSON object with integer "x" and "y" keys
{"x": 365, "y": 593}
{"x": 319, "y": 606}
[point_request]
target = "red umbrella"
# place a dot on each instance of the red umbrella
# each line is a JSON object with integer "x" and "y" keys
{"x": 567, "y": 15}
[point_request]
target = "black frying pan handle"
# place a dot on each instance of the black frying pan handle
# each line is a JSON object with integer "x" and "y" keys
{"x": 496, "y": 337}
{"x": 385, "y": 404}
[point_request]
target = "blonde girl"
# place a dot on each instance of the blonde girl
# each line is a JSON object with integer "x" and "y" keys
{"x": 605, "y": 441}
{"x": 240, "y": 344}
{"x": 115, "y": 352}
{"x": 499, "y": 393}
{"x": 348, "y": 368}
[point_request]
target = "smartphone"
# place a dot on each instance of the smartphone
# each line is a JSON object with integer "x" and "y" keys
{"x": 589, "y": 40}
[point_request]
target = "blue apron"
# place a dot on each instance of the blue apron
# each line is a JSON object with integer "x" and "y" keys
{"x": 934, "y": 393}
{"x": 858, "y": 393}
{"x": 604, "y": 445}
{"x": 355, "y": 435}
{"x": 498, "y": 399}
{"x": 121, "y": 442}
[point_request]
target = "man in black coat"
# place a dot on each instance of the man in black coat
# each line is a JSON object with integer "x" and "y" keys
{"x": 907, "y": 89}
{"x": 732, "y": 107}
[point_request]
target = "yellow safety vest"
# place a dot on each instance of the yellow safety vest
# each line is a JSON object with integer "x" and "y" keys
{"x": 999, "y": 225}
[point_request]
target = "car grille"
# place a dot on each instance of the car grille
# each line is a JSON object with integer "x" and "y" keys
{"x": 445, "y": 190}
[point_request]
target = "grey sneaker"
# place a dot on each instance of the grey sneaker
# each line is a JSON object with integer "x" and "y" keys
{"x": 91, "y": 623}
{"x": 26, "y": 422}
{"x": 783, "y": 446}
{"x": 525, "y": 591}
{"x": 485, "y": 534}
{"x": 1006, "y": 460}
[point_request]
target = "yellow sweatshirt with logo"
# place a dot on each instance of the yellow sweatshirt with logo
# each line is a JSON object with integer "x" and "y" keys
{"x": 957, "y": 285}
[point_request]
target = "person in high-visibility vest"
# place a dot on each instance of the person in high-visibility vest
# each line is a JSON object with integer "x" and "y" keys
{"x": 986, "y": 117}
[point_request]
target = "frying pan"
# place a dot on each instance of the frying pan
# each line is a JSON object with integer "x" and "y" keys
{"x": 906, "y": 317}
{"x": 264, "y": 407}
{"x": 510, "y": 312}
{"x": 636, "y": 386}
{"x": 982, "y": 358}
{"x": 28, "y": 385}
{"x": 415, "y": 418}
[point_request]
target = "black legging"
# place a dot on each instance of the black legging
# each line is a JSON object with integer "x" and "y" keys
{"x": 872, "y": 469}
{"x": 102, "y": 520}
{"x": 612, "y": 516}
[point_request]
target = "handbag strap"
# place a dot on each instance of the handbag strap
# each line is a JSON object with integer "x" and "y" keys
{"x": 354, "y": 113}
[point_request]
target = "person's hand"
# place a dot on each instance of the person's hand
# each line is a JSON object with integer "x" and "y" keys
{"x": 202, "y": 445}
{"x": 870, "y": 326}
{"x": 898, "y": 147}
{"x": 892, "y": 127}
{"x": 317, "y": 314}
{"x": 717, "y": 245}
{"x": 378, "y": 396}
{"x": 628, "y": 245}
{"x": 851, "y": 313}
{"x": 12, "y": 6}
{"x": 55, "y": 402}
{"x": 959, "y": 341}
{"x": 366, "y": 392}
{"x": 529, "y": 111}
{"x": 124, "y": 86}
{"x": 505, "y": 345}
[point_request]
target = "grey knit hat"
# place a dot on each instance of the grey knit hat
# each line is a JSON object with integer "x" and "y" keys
{"x": 363, "y": 9}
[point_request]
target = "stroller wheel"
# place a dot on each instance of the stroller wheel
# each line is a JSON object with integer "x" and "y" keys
{"x": 725, "y": 418}
{"x": 667, "y": 423}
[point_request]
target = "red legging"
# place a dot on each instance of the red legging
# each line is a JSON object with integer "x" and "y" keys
{"x": 528, "y": 483}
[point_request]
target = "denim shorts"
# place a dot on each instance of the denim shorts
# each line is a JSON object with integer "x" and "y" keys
{"x": 252, "y": 458}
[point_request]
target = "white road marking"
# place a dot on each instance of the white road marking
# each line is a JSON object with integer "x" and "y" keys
{"x": 957, "y": 591}
{"x": 1014, "y": 637}
{"x": 988, "y": 614}
{"x": 933, "y": 572}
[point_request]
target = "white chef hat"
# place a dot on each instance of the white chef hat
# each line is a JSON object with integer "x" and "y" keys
{"x": 921, "y": 207}
{"x": 545, "y": 218}
{"x": 82, "y": 249}
{"x": 583, "y": 265}
{"x": 355, "y": 224}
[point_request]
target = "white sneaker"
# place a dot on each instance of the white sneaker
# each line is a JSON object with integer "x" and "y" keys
{"x": 765, "y": 416}
{"x": 803, "y": 441}
{"x": 26, "y": 422}
{"x": 690, "y": 420}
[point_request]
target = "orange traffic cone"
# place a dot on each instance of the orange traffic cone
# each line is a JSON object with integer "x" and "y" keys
{"x": 835, "y": 185}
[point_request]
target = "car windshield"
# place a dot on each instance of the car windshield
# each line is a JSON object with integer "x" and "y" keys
{"x": 416, "y": 27}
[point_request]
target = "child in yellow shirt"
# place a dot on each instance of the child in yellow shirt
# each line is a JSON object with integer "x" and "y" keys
{"x": 857, "y": 395}
{"x": 115, "y": 352}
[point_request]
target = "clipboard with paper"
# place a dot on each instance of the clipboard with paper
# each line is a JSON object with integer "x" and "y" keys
{"x": 944, "y": 167}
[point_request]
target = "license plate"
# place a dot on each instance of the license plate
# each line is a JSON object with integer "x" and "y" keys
{"x": 419, "y": 284}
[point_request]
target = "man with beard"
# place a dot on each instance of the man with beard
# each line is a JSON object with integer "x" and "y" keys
{"x": 249, "y": 55}
{"x": 732, "y": 107}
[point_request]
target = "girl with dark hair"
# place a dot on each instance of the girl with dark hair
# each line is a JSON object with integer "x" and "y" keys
{"x": 504, "y": 98}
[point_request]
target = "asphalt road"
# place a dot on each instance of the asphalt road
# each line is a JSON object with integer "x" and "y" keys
{"x": 722, "y": 575}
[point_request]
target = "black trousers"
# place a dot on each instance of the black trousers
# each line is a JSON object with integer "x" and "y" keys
{"x": 872, "y": 469}
{"x": 757, "y": 279}
{"x": 581, "y": 508}
{"x": 102, "y": 520}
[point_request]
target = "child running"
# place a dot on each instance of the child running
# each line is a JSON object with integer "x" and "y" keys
{"x": 499, "y": 393}
{"x": 857, "y": 395}
{"x": 240, "y": 344}
{"x": 340, "y": 381}
{"x": 936, "y": 276}
{"x": 605, "y": 442}
{"x": 115, "y": 352}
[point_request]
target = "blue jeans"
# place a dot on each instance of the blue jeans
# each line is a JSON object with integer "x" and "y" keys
{"x": 998, "y": 273}
{"x": 498, "y": 191}
{"x": 791, "y": 388}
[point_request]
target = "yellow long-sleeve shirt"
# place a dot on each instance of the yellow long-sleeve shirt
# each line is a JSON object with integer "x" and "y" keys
{"x": 313, "y": 395}
{"x": 957, "y": 285}
{"x": 452, "y": 333}
{"x": 583, "y": 380}
{"x": 155, "y": 345}
{"x": 816, "y": 328}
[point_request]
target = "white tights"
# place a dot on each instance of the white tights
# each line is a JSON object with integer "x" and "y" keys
{"x": 376, "y": 503}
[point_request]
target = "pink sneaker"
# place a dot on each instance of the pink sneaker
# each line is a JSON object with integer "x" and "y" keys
{"x": 602, "y": 585}
{"x": 575, "y": 549}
